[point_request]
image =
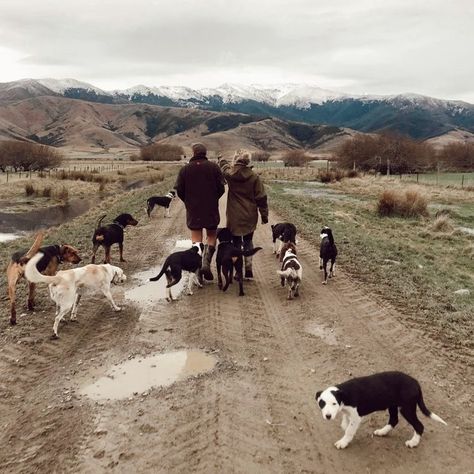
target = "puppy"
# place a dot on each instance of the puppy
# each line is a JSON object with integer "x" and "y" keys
{"x": 282, "y": 233}
{"x": 67, "y": 286}
{"x": 291, "y": 271}
{"x": 228, "y": 258}
{"x": 163, "y": 201}
{"x": 364, "y": 395}
{"x": 187, "y": 260}
{"x": 327, "y": 251}
{"x": 110, "y": 234}
{"x": 53, "y": 255}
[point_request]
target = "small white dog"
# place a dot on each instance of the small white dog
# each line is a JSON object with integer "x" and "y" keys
{"x": 67, "y": 286}
{"x": 291, "y": 271}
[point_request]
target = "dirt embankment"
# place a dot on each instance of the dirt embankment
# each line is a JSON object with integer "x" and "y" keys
{"x": 255, "y": 412}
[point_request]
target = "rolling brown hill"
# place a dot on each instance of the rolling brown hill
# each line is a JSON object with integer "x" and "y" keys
{"x": 71, "y": 123}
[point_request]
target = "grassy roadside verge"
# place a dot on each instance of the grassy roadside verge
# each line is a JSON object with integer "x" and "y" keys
{"x": 401, "y": 260}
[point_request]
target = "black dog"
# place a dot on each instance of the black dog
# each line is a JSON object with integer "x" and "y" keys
{"x": 187, "y": 260}
{"x": 163, "y": 201}
{"x": 364, "y": 395}
{"x": 283, "y": 232}
{"x": 110, "y": 234}
{"x": 327, "y": 251}
{"x": 228, "y": 258}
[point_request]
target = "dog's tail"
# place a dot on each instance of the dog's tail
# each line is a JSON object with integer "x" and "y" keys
{"x": 99, "y": 222}
{"x": 163, "y": 269}
{"x": 33, "y": 249}
{"x": 149, "y": 207}
{"x": 289, "y": 272}
{"x": 249, "y": 253}
{"x": 32, "y": 274}
{"x": 428, "y": 413}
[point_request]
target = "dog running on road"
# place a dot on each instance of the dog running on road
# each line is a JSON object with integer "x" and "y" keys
{"x": 327, "y": 252}
{"x": 291, "y": 271}
{"x": 163, "y": 201}
{"x": 282, "y": 233}
{"x": 361, "y": 396}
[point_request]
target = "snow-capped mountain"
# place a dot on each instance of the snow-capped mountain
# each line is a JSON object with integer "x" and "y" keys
{"x": 412, "y": 114}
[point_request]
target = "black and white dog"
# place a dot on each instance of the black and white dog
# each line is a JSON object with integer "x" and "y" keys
{"x": 361, "y": 396}
{"x": 228, "y": 258}
{"x": 187, "y": 260}
{"x": 327, "y": 252}
{"x": 291, "y": 271}
{"x": 163, "y": 201}
{"x": 282, "y": 233}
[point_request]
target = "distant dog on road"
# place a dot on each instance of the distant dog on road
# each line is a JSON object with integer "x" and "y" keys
{"x": 187, "y": 260}
{"x": 163, "y": 201}
{"x": 228, "y": 258}
{"x": 291, "y": 271}
{"x": 327, "y": 252}
{"x": 364, "y": 395}
{"x": 67, "y": 286}
{"x": 282, "y": 233}
{"x": 110, "y": 234}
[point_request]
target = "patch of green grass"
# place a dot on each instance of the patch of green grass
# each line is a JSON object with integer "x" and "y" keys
{"x": 402, "y": 260}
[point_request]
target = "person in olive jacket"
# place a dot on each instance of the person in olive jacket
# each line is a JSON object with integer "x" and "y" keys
{"x": 246, "y": 197}
{"x": 199, "y": 185}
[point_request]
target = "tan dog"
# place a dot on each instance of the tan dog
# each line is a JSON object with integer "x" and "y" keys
{"x": 53, "y": 256}
{"x": 67, "y": 286}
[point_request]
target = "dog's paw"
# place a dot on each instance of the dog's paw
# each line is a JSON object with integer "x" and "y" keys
{"x": 190, "y": 293}
{"x": 414, "y": 442}
{"x": 341, "y": 444}
{"x": 320, "y": 267}
{"x": 54, "y": 336}
{"x": 117, "y": 309}
{"x": 383, "y": 431}
{"x": 325, "y": 282}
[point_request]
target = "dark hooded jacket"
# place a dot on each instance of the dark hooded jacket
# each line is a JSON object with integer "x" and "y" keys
{"x": 199, "y": 185}
{"x": 245, "y": 198}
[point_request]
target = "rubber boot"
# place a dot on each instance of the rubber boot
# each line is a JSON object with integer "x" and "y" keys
{"x": 206, "y": 262}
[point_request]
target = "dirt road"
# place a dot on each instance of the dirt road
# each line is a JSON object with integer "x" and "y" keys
{"x": 255, "y": 411}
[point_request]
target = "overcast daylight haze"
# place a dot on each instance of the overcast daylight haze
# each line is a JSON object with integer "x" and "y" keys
{"x": 363, "y": 47}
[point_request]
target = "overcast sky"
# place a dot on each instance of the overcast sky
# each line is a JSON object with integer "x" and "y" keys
{"x": 356, "y": 46}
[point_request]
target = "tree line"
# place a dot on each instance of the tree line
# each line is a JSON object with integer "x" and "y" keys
{"x": 24, "y": 156}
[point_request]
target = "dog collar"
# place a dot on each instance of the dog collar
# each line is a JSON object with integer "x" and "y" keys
{"x": 59, "y": 256}
{"x": 118, "y": 223}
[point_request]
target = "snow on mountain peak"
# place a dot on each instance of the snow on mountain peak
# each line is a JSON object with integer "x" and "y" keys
{"x": 61, "y": 85}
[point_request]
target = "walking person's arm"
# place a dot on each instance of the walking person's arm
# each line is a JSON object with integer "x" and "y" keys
{"x": 180, "y": 185}
{"x": 261, "y": 200}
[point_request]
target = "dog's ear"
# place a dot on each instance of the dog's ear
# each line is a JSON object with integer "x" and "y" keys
{"x": 318, "y": 394}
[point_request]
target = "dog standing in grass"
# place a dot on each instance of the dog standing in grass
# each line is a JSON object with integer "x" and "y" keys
{"x": 327, "y": 252}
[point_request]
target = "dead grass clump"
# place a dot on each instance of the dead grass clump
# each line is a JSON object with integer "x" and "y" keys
{"x": 47, "y": 191}
{"x": 62, "y": 194}
{"x": 330, "y": 176}
{"x": 88, "y": 176}
{"x": 29, "y": 189}
{"x": 156, "y": 178}
{"x": 352, "y": 174}
{"x": 469, "y": 252}
{"x": 101, "y": 187}
{"x": 402, "y": 204}
{"x": 442, "y": 223}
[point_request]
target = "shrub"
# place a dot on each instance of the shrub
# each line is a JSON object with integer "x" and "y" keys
{"x": 457, "y": 156}
{"x": 29, "y": 189}
{"x": 47, "y": 192}
{"x": 134, "y": 157}
{"x": 161, "y": 152}
{"x": 402, "y": 204}
{"x": 296, "y": 158}
{"x": 63, "y": 194}
{"x": 23, "y": 156}
{"x": 352, "y": 174}
{"x": 330, "y": 176}
{"x": 260, "y": 156}
{"x": 101, "y": 186}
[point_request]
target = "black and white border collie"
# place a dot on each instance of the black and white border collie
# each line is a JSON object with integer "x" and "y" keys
{"x": 163, "y": 201}
{"x": 291, "y": 271}
{"x": 282, "y": 233}
{"x": 187, "y": 260}
{"x": 327, "y": 252}
{"x": 361, "y": 396}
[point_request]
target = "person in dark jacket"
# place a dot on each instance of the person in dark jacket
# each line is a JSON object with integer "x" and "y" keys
{"x": 200, "y": 184}
{"x": 246, "y": 197}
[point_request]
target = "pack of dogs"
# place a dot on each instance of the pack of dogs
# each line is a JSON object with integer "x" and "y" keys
{"x": 353, "y": 399}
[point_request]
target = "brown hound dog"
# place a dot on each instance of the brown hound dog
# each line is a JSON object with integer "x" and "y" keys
{"x": 110, "y": 234}
{"x": 48, "y": 265}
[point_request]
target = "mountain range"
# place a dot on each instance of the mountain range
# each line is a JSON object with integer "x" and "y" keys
{"x": 231, "y": 106}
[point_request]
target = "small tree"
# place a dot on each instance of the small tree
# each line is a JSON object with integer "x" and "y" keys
{"x": 28, "y": 156}
{"x": 457, "y": 156}
{"x": 260, "y": 156}
{"x": 161, "y": 152}
{"x": 296, "y": 158}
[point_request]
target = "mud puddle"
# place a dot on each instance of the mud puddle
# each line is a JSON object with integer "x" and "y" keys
{"x": 136, "y": 376}
{"x": 324, "y": 333}
{"x": 41, "y": 218}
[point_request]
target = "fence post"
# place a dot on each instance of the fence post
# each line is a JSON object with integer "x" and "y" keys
{"x": 417, "y": 177}
{"x": 462, "y": 181}
{"x": 7, "y": 176}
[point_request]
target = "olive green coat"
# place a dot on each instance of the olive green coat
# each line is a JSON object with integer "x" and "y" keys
{"x": 246, "y": 197}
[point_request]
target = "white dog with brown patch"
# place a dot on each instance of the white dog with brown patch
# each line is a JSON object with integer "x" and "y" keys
{"x": 67, "y": 286}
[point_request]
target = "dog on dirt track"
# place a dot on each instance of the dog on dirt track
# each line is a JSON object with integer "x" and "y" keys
{"x": 110, "y": 234}
{"x": 361, "y": 396}
{"x": 291, "y": 271}
{"x": 282, "y": 233}
{"x": 67, "y": 286}
{"x": 53, "y": 255}
{"x": 327, "y": 252}
{"x": 163, "y": 201}
{"x": 187, "y": 260}
{"x": 228, "y": 258}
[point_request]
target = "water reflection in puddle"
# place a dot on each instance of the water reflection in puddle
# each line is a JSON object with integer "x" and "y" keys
{"x": 6, "y": 237}
{"x": 326, "y": 334}
{"x": 141, "y": 374}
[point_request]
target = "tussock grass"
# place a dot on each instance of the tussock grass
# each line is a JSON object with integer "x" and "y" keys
{"x": 408, "y": 203}
{"x": 442, "y": 223}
